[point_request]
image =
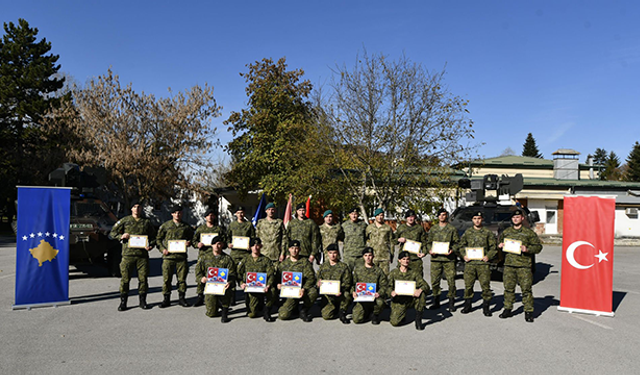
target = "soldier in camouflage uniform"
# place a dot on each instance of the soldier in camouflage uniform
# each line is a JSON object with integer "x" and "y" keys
{"x": 517, "y": 267}
{"x": 414, "y": 231}
{"x": 306, "y": 231}
{"x": 271, "y": 231}
{"x": 218, "y": 259}
{"x": 174, "y": 229}
{"x": 258, "y": 304}
{"x": 443, "y": 232}
{"x": 334, "y": 269}
{"x": 309, "y": 292}
{"x": 380, "y": 238}
{"x": 137, "y": 258}
{"x": 355, "y": 238}
{"x": 371, "y": 274}
{"x": 477, "y": 236}
{"x": 400, "y": 304}
{"x": 240, "y": 227}
{"x": 209, "y": 227}
{"x": 331, "y": 232}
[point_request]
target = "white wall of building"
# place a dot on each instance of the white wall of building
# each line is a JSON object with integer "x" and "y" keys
{"x": 548, "y": 211}
{"x": 626, "y": 226}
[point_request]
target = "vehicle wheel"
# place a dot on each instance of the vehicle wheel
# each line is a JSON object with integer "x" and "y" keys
{"x": 114, "y": 256}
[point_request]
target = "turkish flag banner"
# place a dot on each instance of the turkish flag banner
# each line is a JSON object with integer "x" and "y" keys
{"x": 587, "y": 255}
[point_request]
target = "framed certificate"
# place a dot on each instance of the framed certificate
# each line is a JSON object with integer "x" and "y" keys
{"x": 206, "y": 238}
{"x": 475, "y": 253}
{"x": 331, "y": 287}
{"x": 177, "y": 246}
{"x": 512, "y": 246}
{"x": 138, "y": 242}
{"x": 290, "y": 292}
{"x": 256, "y": 282}
{"x": 365, "y": 292}
{"x": 405, "y": 288}
{"x": 240, "y": 243}
{"x": 440, "y": 247}
{"x": 412, "y": 246}
{"x": 216, "y": 289}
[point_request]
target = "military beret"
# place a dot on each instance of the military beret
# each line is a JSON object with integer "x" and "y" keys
{"x": 293, "y": 243}
{"x": 403, "y": 254}
{"x": 301, "y": 205}
{"x": 255, "y": 241}
{"x": 409, "y": 213}
{"x": 240, "y": 208}
{"x": 378, "y": 211}
{"x": 478, "y": 213}
{"x": 216, "y": 239}
{"x": 355, "y": 209}
{"x": 176, "y": 208}
{"x": 327, "y": 213}
{"x": 270, "y": 205}
{"x": 134, "y": 203}
{"x": 442, "y": 211}
{"x": 367, "y": 250}
{"x": 517, "y": 212}
{"x": 332, "y": 247}
{"x": 209, "y": 212}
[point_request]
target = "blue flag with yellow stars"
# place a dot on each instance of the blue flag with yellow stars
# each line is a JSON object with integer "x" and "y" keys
{"x": 42, "y": 245}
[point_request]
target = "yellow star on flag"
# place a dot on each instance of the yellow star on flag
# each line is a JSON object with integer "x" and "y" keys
{"x": 222, "y": 273}
{"x": 261, "y": 278}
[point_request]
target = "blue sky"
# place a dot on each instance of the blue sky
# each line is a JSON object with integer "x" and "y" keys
{"x": 566, "y": 71}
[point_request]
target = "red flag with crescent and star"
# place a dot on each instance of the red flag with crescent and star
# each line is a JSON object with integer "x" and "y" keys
{"x": 587, "y": 255}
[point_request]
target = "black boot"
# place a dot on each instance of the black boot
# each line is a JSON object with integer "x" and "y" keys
{"x": 304, "y": 314}
{"x": 225, "y": 317}
{"x": 166, "y": 302}
{"x": 375, "y": 319}
{"x": 467, "y": 306}
{"x": 419, "y": 326}
{"x": 506, "y": 314}
{"x": 343, "y": 317}
{"x": 142, "y": 298}
{"x": 436, "y": 303}
{"x": 452, "y": 305}
{"x": 266, "y": 314}
{"x": 123, "y": 302}
{"x": 486, "y": 310}
{"x": 181, "y": 301}
{"x": 199, "y": 301}
{"x": 528, "y": 317}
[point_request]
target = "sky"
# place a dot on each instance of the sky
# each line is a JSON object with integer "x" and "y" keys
{"x": 566, "y": 71}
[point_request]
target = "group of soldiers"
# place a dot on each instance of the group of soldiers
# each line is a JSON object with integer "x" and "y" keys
{"x": 368, "y": 252}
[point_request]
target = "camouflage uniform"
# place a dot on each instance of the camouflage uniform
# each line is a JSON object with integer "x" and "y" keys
{"x": 443, "y": 263}
{"x": 255, "y": 302}
{"x": 243, "y": 229}
{"x": 381, "y": 240}
{"x": 331, "y": 234}
{"x": 134, "y": 257}
{"x": 400, "y": 304}
{"x": 204, "y": 251}
{"x": 340, "y": 271}
{"x": 517, "y": 268}
{"x": 271, "y": 232}
{"x": 373, "y": 275}
{"x": 477, "y": 269}
{"x": 355, "y": 240}
{"x": 417, "y": 233}
{"x": 174, "y": 262}
{"x": 213, "y": 301}
{"x": 307, "y": 232}
{"x": 308, "y": 284}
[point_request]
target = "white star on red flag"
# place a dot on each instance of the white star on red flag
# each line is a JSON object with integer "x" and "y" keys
{"x": 601, "y": 256}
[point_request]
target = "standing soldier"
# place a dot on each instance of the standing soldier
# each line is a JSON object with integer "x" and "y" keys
{"x": 258, "y": 304}
{"x": 306, "y": 232}
{"x": 240, "y": 227}
{"x": 218, "y": 259}
{"x": 400, "y": 303}
{"x": 414, "y": 231}
{"x": 355, "y": 238}
{"x": 477, "y": 237}
{"x": 334, "y": 269}
{"x": 331, "y": 232}
{"x": 517, "y": 267}
{"x": 174, "y": 229}
{"x": 380, "y": 238}
{"x": 210, "y": 227}
{"x": 371, "y": 274}
{"x": 443, "y": 232}
{"x": 308, "y": 293}
{"x": 271, "y": 231}
{"x": 138, "y": 258}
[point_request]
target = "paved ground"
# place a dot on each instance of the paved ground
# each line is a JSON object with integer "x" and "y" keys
{"x": 90, "y": 336}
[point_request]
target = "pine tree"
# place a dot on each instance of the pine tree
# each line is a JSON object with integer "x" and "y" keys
{"x": 530, "y": 149}
{"x": 633, "y": 164}
{"x": 612, "y": 167}
{"x": 600, "y": 156}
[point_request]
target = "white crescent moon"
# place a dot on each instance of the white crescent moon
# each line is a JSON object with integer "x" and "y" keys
{"x": 572, "y": 260}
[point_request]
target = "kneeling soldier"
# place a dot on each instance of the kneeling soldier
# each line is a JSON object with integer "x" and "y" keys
{"x": 258, "y": 303}
{"x": 308, "y": 292}
{"x": 218, "y": 260}
{"x": 400, "y": 303}
{"x": 369, "y": 273}
{"x": 333, "y": 269}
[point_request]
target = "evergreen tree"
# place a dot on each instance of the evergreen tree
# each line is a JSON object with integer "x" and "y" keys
{"x": 612, "y": 167}
{"x": 633, "y": 164}
{"x": 530, "y": 149}
{"x": 600, "y": 156}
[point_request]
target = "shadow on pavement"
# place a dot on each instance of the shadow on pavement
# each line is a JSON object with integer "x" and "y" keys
{"x": 617, "y": 299}
{"x": 542, "y": 271}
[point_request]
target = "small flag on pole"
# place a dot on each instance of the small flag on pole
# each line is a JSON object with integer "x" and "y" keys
{"x": 259, "y": 211}
{"x": 287, "y": 211}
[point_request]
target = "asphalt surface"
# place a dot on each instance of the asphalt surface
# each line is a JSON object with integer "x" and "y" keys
{"x": 90, "y": 336}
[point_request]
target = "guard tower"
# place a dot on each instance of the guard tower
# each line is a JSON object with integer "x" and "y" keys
{"x": 565, "y": 164}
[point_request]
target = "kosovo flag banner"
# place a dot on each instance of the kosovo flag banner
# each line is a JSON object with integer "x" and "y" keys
{"x": 42, "y": 245}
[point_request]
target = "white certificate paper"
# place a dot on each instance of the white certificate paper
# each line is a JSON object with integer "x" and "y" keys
{"x": 214, "y": 288}
{"x": 254, "y": 289}
{"x": 138, "y": 242}
{"x": 290, "y": 292}
{"x": 240, "y": 243}
{"x": 412, "y": 246}
{"x": 206, "y": 238}
{"x": 512, "y": 246}
{"x": 440, "y": 247}
{"x": 475, "y": 253}
{"x": 331, "y": 287}
{"x": 405, "y": 288}
{"x": 177, "y": 246}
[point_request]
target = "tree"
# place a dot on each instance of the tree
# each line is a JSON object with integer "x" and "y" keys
{"x": 611, "y": 170}
{"x": 633, "y": 164}
{"x": 530, "y": 149}
{"x": 149, "y": 146}
{"x": 599, "y": 160}
{"x": 507, "y": 152}
{"x": 27, "y": 83}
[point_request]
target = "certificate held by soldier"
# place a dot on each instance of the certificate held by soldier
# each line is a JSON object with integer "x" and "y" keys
{"x": 240, "y": 243}
{"x": 412, "y": 246}
{"x": 177, "y": 246}
{"x": 405, "y": 287}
